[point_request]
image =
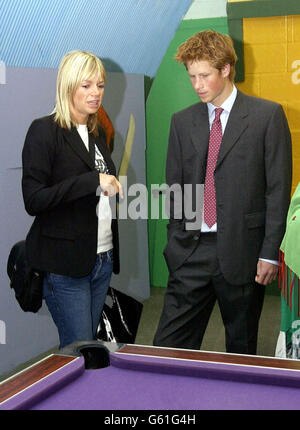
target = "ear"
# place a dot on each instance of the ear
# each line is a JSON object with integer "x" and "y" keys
{"x": 226, "y": 71}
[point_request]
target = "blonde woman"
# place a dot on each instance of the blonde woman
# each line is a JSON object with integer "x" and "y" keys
{"x": 66, "y": 165}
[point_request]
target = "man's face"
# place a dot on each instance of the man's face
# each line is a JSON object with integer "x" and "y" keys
{"x": 210, "y": 84}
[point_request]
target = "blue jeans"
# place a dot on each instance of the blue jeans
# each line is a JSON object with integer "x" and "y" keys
{"x": 76, "y": 304}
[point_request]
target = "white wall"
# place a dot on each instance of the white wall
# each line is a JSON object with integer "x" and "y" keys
{"x": 206, "y": 9}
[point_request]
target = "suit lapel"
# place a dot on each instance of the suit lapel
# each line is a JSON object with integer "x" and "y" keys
{"x": 78, "y": 146}
{"x": 200, "y": 130}
{"x": 237, "y": 123}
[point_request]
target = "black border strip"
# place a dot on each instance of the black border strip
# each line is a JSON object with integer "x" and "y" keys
{"x": 260, "y": 8}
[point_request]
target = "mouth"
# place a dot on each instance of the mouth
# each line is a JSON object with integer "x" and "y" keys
{"x": 94, "y": 103}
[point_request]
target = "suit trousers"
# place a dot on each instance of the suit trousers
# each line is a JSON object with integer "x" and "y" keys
{"x": 191, "y": 294}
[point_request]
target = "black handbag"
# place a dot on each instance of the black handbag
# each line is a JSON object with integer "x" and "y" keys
{"x": 120, "y": 318}
{"x": 26, "y": 282}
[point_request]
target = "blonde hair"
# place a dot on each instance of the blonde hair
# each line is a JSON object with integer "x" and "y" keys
{"x": 75, "y": 67}
{"x": 208, "y": 45}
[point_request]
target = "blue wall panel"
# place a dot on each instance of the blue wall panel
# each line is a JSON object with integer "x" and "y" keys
{"x": 130, "y": 35}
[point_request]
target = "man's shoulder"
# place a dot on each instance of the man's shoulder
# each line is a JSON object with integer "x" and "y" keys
{"x": 189, "y": 111}
{"x": 257, "y": 101}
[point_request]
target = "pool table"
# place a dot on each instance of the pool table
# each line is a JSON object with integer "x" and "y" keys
{"x": 107, "y": 376}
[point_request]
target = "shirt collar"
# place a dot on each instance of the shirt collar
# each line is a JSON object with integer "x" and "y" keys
{"x": 226, "y": 105}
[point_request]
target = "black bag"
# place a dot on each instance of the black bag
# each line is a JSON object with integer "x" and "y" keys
{"x": 120, "y": 318}
{"x": 26, "y": 282}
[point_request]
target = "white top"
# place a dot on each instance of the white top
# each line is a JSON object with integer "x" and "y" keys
{"x": 103, "y": 209}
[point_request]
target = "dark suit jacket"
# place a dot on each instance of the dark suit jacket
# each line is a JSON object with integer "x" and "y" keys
{"x": 59, "y": 187}
{"x": 252, "y": 179}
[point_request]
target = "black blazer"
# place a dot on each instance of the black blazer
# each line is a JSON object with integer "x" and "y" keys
{"x": 59, "y": 187}
{"x": 252, "y": 178}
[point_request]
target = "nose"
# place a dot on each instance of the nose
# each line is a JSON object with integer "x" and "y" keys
{"x": 198, "y": 83}
{"x": 95, "y": 90}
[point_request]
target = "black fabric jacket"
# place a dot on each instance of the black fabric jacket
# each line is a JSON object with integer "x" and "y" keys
{"x": 59, "y": 187}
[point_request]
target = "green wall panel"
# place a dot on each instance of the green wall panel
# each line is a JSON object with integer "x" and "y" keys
{"x": 170, "y": 92}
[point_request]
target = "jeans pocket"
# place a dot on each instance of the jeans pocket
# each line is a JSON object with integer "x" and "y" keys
{"x": 110, "y": 256}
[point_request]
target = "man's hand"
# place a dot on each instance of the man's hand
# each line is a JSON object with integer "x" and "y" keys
{"x": 110, "y": 185}
{"x": 266, "y": 272}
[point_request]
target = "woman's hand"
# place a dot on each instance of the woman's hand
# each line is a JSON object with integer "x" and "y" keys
{"x": 110, "y": 185}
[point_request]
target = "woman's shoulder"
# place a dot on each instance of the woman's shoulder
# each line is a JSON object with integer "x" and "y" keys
{"x": 45, "y": 121}
{"x": 43, "y": 129}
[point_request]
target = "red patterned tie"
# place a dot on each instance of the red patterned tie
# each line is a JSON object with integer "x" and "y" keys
{"x": 210, "y": 215}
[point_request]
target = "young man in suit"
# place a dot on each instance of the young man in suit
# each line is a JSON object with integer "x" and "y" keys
{"x": 239, "y": 147}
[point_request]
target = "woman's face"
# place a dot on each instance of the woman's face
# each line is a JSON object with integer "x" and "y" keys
{"x": 87, "y": 99}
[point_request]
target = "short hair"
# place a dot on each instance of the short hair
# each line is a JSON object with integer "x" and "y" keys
{"x": 208, "y": 45}
{"x": 75, "y": 67}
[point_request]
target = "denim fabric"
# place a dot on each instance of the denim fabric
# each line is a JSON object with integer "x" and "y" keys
{"x": 76, "y": 303}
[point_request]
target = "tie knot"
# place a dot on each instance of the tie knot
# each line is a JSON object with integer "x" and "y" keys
{"x": 218, "y": 112}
